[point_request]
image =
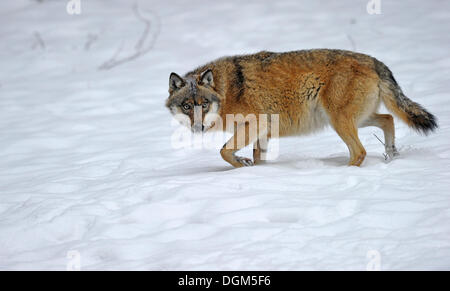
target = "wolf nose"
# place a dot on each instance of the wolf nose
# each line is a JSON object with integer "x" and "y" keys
{"x": 199, "y": 127}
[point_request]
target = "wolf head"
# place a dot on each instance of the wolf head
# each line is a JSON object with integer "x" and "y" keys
{"x": 193, "y": 100}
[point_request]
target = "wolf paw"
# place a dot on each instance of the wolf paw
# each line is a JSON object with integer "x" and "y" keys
{"x": 246, "y": 162}
{"x": 391, "y": 153}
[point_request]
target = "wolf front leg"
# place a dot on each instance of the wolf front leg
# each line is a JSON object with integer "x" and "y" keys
{"x": 244, "y": 134}
{"x": 260, "y": 150}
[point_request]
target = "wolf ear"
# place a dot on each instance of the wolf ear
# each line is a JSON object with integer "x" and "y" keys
{"x": 207, "y": 78}
{"x": 175, "y": 82}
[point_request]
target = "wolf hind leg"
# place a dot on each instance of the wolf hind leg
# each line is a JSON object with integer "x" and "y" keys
{"x": 348, "y": 132}
{"x": 386, "y": 123}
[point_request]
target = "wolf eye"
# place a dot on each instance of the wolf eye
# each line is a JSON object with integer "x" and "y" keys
{"x": 186, "y": 106}
{"x": 205, "y": 104}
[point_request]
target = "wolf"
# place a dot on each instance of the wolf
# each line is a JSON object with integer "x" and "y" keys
{"x": 306, "y": 89}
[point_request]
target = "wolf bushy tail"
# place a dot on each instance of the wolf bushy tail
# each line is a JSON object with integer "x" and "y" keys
{"x": 409, "y": 111}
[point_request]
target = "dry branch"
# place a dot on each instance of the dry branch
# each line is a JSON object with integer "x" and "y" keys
{"x": 39, "y": 42}
{"x": 140, "y": 48}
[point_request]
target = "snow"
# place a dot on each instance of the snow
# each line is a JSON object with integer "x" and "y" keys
{"x": 88, "y": 168}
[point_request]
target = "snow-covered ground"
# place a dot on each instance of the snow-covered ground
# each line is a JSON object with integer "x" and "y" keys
{"x": 88, "y": 174}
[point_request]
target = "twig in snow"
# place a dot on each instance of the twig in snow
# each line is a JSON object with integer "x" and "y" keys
{"x": 352, "y": 42}
{"x": 386, "y": 157}
{"x": 148, "y": 25}
{"x": 140, "y": 48}
{"x": 91, "y": 38}
{"x": 379, "y": 139}
{"x": 39, "y": 42}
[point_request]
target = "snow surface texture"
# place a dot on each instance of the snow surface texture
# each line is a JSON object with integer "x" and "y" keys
{"x": 88, "y": 176}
